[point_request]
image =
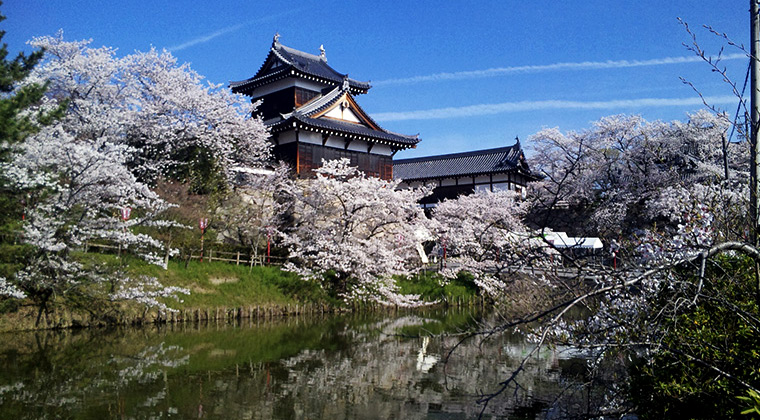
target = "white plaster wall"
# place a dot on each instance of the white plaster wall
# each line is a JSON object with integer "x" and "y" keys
{"x": 309, "y": 84}
{"x": 501, "y": 186}
{"x": 286, "y": 83}
{"x": 310, "y": 137}
{"x": 343, "y": 114}
{"x": 382, "y": 149}
{"x": 358, "y": 146}
{"x": 273, "y": 87}
{"x": 286, "y": 137}
{"x": 335, "y": 113}
{"x": 338, "y": 142}
{"x": 335, "y": 141}
{"x": 448, "y": 182}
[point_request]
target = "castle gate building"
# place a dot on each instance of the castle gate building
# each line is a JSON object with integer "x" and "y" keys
{"x": 456, "y": 174}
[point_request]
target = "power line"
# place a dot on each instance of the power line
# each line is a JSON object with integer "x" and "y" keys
{"x": 741, "y": 101}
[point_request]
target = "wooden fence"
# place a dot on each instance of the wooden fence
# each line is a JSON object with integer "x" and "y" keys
{"x": 208, "y": 255}
{"x": 234, "y": 257}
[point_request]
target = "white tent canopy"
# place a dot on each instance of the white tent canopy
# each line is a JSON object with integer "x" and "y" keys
{"x": 561, "y": 240}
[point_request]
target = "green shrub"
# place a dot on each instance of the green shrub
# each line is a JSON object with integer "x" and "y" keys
{"x": 431, "y": 286}
{"x": 708, "y": 351}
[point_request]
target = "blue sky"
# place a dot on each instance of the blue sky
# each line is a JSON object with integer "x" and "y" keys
{"x": 464, "y": 75}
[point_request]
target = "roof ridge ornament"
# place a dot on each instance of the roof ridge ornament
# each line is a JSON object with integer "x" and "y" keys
{"x": 322, "y": 53}
{"x": 276, "y": 39}
{"x": 346, "y": 83}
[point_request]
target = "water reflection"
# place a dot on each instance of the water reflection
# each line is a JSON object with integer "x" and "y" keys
{"x": 339, "y": 367}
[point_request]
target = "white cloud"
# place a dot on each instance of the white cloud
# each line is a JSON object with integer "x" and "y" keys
{"x": 584, "y": 65}
{"x": 522, "y": 106}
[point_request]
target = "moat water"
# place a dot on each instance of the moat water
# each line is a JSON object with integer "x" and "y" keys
{"x": 389, "y": 366}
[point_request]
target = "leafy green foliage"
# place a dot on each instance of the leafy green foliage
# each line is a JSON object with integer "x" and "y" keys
{"x": 201, "y": 171}
{"x": 431, "y": 286}
{"x": 14, "y": 127}
{"x": 754, "y": 400}
{"x": 710, "y": 353}
{"x": 303, "y": 291}
{"x": 15, "y": 98}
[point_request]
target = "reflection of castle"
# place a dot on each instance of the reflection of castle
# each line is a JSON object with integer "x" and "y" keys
{"x": 312, "y": 113}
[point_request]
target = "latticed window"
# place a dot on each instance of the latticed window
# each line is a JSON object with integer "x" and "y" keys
{"x": 304, "y": 95}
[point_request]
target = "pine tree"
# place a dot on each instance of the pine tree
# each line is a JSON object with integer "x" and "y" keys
{"x": 15, "y": 125}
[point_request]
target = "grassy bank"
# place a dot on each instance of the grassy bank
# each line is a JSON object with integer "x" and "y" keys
{"x": 218, "y": 290}
{"x": 219, "y": 284}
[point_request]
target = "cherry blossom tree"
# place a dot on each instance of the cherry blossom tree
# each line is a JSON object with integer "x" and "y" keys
{"x": 8, "y": 289}
{"x": 612, "y": 172}
{"x": 677, "y": 191}
{"x": 176, "y": 125}
{"x": 128, "y": 121}
{"x": 484, "y": 235}
{"x": 257, "y": 208}
{"x": 80, "y": 188}
{"x": 353, "y": 233}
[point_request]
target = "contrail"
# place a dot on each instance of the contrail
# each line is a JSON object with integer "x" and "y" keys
{"x": 206, "y": 38}
{"x": 584, "y": 65}
{"x": 508, "y": 107}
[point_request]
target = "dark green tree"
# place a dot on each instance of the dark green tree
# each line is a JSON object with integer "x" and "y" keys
{"x": 14, "y": 126}
{"x": 710, "y": 356}
{"x": 16, "y": 123}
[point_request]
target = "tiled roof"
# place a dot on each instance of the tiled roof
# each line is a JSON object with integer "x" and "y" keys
{"x": 341, "y": 128}
{"x": 320, "y": 103}
{"x": 500, "y": 160}
{"x": 309, "y": 116}
{"x": 314, "y": 107}
{"x": 305, "y": 64}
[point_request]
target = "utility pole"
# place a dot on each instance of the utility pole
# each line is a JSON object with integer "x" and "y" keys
{"x": 754, "y": 190}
